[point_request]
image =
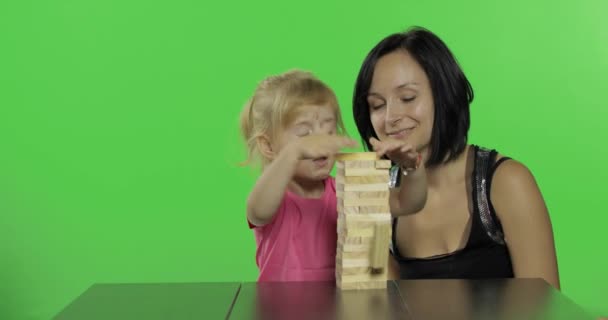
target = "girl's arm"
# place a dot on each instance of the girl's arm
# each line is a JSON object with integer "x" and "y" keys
{"x": 267, "y": 194}
{"x": 525, "y": 220}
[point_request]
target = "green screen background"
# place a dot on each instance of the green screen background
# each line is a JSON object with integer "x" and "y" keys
{"x": 119, "y": 141}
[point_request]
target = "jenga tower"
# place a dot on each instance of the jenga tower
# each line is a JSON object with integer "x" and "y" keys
{"x": 364, "y": 221}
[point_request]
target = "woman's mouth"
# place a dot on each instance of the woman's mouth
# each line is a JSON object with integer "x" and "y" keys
{"x": 401, "y": 134}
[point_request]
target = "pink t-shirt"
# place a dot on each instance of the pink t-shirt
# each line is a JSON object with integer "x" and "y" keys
{"x": 299, "y": 244}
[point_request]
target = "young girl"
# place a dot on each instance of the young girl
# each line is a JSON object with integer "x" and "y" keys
{"x": 293, "y": 124}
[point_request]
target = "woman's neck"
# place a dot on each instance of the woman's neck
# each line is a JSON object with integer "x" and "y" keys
{"x": 453, "y": 172}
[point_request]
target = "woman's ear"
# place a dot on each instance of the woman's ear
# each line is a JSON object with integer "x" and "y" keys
{"x": 265, "y": 147}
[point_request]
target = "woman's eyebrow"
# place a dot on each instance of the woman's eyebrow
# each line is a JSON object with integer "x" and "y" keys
{"x": 374, "y": 94}
{"x": 401, "y": 86}
{"x": 407, "y": 84}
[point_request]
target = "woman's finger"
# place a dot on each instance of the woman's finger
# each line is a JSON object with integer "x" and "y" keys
{"x": 348, "y": 142}
{"x": 374, "y": 142}
{"x": 406, "y": 149}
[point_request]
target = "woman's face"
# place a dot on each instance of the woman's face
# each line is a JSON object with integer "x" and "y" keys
{"x": 401, "y": 101}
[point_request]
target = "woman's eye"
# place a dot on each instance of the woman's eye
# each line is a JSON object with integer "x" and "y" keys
{"x": 376, "y": 106}
{"x": 408, "y": 99}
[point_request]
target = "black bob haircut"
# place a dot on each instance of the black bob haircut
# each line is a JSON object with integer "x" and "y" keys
{"x": 452, "y": 92}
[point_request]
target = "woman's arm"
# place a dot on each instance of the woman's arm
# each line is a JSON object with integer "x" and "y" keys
{"x": 525, "y": 220}
{"x": 393, "y": 268}
{"x": 410, "y": 196}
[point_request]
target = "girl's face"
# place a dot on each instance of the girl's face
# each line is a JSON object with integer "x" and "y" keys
{"x": 307, "y": 120}
{"x": 401, "y": 101}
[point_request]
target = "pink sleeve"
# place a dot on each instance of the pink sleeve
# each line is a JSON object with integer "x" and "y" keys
{"x": 279, "y": 212}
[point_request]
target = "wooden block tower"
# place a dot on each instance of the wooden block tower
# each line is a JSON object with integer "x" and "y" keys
{"x": 364, "y": 221}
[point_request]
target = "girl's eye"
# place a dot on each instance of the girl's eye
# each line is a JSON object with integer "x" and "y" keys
{"x": 303, "y": 132}
{"x": 328, "y": 124}
{"x": 329, "y": 121}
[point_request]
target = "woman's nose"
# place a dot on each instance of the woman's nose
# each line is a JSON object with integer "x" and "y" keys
{"x": 393, "y": 113}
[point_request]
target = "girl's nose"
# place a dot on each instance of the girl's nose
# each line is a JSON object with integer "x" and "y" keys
{"x": 317, "y": 128}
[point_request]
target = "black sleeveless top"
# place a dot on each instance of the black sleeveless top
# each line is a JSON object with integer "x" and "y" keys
{"x": 485, "y": 254}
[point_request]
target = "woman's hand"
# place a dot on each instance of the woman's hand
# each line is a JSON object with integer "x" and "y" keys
{"x": 400, "y": 152}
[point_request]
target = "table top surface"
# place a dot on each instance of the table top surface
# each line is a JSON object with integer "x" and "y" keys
{"x": 402, "y": 299}
{"x": 153, "y": 301}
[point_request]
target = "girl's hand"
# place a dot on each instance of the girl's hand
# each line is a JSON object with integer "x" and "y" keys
{"x": 321, "y": 145}
{"x": 400, "y": 152}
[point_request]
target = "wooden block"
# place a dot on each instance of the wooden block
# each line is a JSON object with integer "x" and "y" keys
{"x": 361, "y": 229}
{"x": 379, "y": 253}
{"x": 353, "y": 263}
{"x": 363, "y": 194}
{"x": 363, "y": 209}
{"x": 362, "y": 241}
{"x": 361, "y": 172}
{"x": 340, "y": 186}
{"x": 379, "y": 284}
{"x": 357, "y": 232}
{"x": 359, "y": 221}
{"x": 363, "y": 180}
{"x": 347, "y": 233}
{"x": 356, "y": 156}
{"x": 374, "y": 217}
{"x": 364, "y": 164}
{"x": 383, "y": 164}
{"x": 362, "y": 277}
{"x": 368, "y": 232}
{"x": 363, "y": 202}
{"x": 347, "y": 247}
{"x": 351, "y": 271}
{"x": 352, "y": 255}
{"x": 357, "y": 164}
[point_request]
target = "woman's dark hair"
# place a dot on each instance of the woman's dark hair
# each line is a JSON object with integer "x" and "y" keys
{"x": 452, "y": 92}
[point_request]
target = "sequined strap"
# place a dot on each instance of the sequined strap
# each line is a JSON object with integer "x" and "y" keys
{"x": 483, "y": 162}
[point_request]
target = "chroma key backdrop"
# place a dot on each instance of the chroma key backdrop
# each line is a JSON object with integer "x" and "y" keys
{"x": 119, "y": 138}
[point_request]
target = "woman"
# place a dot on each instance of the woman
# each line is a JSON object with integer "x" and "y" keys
{"x": 484, "y": 215}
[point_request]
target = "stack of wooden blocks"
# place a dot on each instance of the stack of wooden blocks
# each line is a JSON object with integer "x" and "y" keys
{"x": 364, "y": 221}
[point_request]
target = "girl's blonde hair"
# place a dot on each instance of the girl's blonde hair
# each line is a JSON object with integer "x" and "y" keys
{"x": 274, "y": 102}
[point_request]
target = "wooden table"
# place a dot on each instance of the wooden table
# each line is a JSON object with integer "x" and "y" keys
{"x": 403, "y": 299}
{"x": 151, "y": 301}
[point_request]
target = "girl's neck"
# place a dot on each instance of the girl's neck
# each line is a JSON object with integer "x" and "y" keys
{"x": 307, "y": 188}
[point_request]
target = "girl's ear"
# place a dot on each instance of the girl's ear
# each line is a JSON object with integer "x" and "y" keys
{"x": 265, "y": 147}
